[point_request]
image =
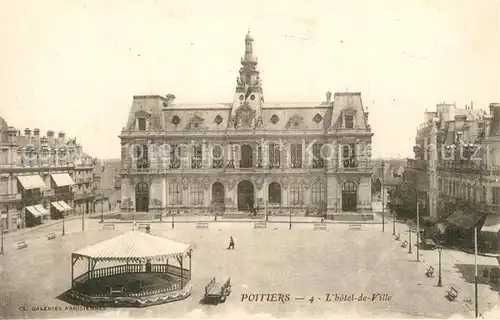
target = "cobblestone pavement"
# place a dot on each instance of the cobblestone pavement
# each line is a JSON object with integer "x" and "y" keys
{"x": 301, "y": 262}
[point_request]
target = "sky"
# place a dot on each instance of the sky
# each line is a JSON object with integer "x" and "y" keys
{"x": 74, "y": 66}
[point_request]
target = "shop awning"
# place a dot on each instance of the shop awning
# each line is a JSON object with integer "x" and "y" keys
{"x": 57, "y": 206}
{"x": 492, "y": 223}
{"x": 31, "y": 182}
{"x": 41, "y": 209}
{"x": 62, "y": 179}
{"x": 64, "y": 205}
{"x": 33, "y": 211}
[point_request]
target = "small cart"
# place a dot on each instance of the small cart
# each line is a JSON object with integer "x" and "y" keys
{"x": 217, "y": 292}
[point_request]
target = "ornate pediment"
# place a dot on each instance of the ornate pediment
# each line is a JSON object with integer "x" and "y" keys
{"x": 295, "y": 122}
{"x": 196, "y": 123}
{"x": 141, "y": 113}
{"x": 244, "y": 117}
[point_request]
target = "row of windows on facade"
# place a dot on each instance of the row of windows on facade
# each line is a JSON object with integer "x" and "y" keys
{"x": 274, "y": 157}
{"x": 348, "y": 121}
{"x": 295, "y": 192}
{"x": 470, "y": 192}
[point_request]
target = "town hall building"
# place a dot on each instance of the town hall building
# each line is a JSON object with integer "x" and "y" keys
{"x": 307, "y": 158}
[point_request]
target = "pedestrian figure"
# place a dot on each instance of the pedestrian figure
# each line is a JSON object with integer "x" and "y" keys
{"x": 231, "y": 243}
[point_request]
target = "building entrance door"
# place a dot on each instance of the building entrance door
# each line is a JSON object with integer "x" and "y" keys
{"x": 245, "y": 196}
{"x": 142, "y": 197}
{"x": 349, "y": 197}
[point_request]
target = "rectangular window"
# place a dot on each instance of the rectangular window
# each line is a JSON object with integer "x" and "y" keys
{"x": 197, "y": 157}
{"x": 296, "y": 153}
{"x": 317, "y": 157}
{"x": 274, "y": 155}
{"x": 142, "y": 124}
{"x": 349, "y": 121}
{"x": 495, "y": 195}
{"x": 349, "y": 156}
{"x": 175, "y": 162}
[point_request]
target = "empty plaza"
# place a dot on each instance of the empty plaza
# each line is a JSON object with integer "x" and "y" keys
{"x": 316, "y": 273}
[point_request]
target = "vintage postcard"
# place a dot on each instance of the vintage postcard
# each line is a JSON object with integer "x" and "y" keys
{"x": 300, "y": 159}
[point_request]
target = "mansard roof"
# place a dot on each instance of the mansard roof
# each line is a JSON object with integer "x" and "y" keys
{"x": 178, "y": 117}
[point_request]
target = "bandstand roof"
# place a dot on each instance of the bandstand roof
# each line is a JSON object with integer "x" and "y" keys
{"x": 134, "y": 245}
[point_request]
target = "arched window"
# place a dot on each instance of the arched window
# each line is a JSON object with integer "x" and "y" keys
{"x": 296, "y": 194}
{"x": 175, "y": 193}
{"x": 196, "y": 193}
{"x": 274, "y": 192}
{"x": 349, "y": 186}
{"x": 318, "y": 193}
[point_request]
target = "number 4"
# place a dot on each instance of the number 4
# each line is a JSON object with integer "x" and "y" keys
{"x": 311, "y": 300}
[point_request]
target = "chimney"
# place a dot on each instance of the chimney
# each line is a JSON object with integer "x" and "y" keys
{"x": 61, "y": 138}
{"x": 50, "y": 137}
{"x": 27, "y": 134}
{"x": 12, "y": 134}
{"x": 495, "y": 121}
{"x": 328, "y": 97}
{"x": 36, "y": 135}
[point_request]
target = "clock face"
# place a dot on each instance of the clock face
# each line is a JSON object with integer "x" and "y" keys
{"x": 252, "y": 97}
{"x": 242, "y": 97}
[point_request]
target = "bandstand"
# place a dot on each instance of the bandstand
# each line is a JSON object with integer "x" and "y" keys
{"x": 136, "y": 271}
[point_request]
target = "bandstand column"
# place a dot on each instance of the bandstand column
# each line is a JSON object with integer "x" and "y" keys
{"x": 182, "y": 275}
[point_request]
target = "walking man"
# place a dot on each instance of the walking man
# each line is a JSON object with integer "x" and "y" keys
{"x": 231, "y": 243}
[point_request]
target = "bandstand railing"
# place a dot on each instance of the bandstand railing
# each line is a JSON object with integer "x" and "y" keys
{"x": 135, "y": 290}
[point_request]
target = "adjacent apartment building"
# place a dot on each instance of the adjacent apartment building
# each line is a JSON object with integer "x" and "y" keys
{"x": 42, "y": 177}
{"x": 277, "y": 158}
{"x": 457, "y": 155}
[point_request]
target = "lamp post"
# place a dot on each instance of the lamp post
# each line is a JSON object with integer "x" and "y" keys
{"x": 172, "y": 220}
{"x": 418, "y": 231}
{"x": 393, "y": 219}
{"x": 63, "y": 214}
{"x": 409, "y": 237}
{"x": 290, "y": 225}
{"x": 383, "y": 200}
{"x": 102, "y": 208}
{"x": 475, "y": 272}
{"x": 1, "y": 231}
{"x": 83, "y": 218}
{"x": 440, "y": 282}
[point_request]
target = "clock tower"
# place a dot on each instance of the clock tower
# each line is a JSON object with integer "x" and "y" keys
{"x": 246, "y": 111}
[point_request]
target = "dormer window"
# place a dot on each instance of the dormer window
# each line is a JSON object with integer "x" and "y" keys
{"x": 349, "y": 121}
{"x": 141, "y": 123}
{"x": 142, "y": 118}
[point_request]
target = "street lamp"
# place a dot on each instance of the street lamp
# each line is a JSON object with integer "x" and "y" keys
{"x": 1, "y": 231}
{"x": 172, "y": 219}
{"x": 383, "y": 200}
{"x": 440, "y": 282}
{"x": 409, "y": 237}
{"x": 102, "y": 208}
{"x": 63, "y": 214}
{"x": 418, "y": 231}
{"x": 290, "y": 225}
{"x": 83, "y": 218}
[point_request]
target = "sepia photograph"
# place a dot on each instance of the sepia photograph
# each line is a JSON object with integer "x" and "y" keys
{"x": 234, "y": 159}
